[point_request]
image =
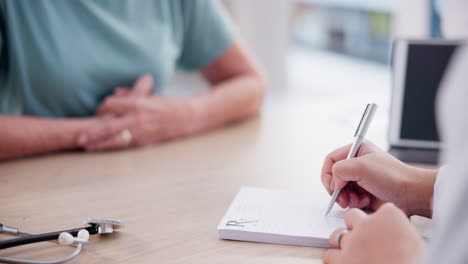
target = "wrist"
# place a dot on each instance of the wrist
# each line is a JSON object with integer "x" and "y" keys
{"x": 420, "y": 190}
{"x": 194, "y": 119}
{"x": 71, "y": 130}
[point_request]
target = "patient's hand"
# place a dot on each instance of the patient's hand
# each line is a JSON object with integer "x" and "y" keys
{"x": 147, "y": 118}
{"x": 142, "y": 87}
{"x": 378, "y": 178}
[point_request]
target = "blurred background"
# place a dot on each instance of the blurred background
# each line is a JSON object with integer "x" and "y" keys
{"x": 328, "y": 56}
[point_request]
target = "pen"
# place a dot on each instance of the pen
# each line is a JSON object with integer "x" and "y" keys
{"x": 358, "y": 139}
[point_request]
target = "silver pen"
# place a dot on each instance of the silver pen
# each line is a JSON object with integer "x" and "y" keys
{"x": 358, "y": 139}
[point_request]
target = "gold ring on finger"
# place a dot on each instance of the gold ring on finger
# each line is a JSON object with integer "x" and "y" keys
{"x": 126, "y": 137}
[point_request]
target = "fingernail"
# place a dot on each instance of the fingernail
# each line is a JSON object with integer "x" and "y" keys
{"x": 83, "y": 139}
{"x": 332, "y": 185}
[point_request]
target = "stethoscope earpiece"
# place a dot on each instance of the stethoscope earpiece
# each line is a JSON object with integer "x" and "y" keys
{"x": 67, "y": 239}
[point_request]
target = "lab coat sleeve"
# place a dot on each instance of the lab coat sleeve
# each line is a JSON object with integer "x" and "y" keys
{"x": 450, "y": 208}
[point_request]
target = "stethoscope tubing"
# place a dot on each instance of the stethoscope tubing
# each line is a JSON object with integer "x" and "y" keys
{"x": 93, "y": 229}
{"x": 57, "y": 261}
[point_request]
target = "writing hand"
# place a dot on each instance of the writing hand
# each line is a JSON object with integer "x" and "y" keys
{"x": 378, "y": 178}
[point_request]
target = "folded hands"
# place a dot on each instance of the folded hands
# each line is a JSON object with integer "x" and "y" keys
{"x": 135, "y": 117}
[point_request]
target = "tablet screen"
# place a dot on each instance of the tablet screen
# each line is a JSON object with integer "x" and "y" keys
{"x": 426, "y": 65}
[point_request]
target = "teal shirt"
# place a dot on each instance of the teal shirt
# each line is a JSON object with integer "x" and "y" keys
{"x": 60, "y": 58}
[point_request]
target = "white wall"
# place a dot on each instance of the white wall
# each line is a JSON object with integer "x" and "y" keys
{"x": 412, "y": 19}
{"x": 264, "y": 28}
{"x": 264, "y": 25}
{"x": 455, "y": 22}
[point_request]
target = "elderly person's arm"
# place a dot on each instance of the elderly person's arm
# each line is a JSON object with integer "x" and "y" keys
{"x": 21, "y": 136}
{"x": 238, "y": 90}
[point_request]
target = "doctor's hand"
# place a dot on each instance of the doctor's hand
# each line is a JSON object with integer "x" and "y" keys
{"x": 385, "y": 237}
{"x": 378, "y": 178}
{"x": 134, "y": 117}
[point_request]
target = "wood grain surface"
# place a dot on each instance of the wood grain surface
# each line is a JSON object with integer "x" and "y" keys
{"x": 171, "y": 195}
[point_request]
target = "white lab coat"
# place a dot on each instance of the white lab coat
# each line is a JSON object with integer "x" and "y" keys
{"x": 449, "y": 243}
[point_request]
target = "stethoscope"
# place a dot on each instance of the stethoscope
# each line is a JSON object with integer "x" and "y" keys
{"x": 72, "y": 237}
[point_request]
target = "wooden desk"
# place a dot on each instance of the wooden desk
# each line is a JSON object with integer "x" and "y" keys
{"x": 173, "y": 195}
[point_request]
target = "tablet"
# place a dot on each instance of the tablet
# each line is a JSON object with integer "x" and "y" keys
{"x": 418, "y": 69}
